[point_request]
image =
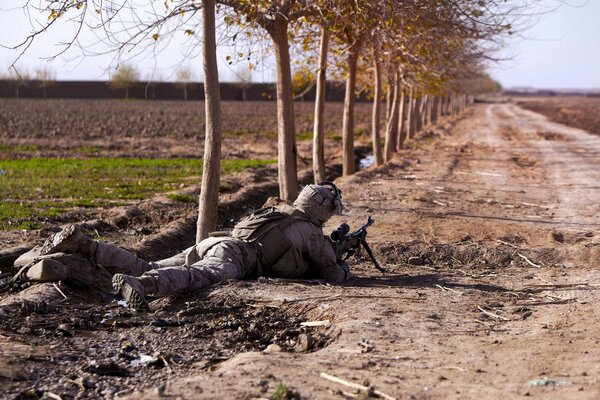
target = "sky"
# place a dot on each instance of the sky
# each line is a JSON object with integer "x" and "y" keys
{"x": 559, "y": 49}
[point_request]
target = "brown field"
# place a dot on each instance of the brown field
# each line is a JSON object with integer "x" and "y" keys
{"x": 489, "y": 227}
{"x": 578, "y": 112}
{"x": 118, "y": 128}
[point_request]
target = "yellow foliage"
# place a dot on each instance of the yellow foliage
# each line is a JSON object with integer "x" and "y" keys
{"x": 155, "y": 36}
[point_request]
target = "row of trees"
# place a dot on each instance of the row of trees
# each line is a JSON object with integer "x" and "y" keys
{"x": 124, "y": 78}
{"x": 424, "y": 56}
{"x": 44, "y": 77}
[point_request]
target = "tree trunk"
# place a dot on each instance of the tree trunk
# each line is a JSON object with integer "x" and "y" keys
{"x": 286, "y": 146}
{"x": 126, "y": 93}
{"x": 211, "y": 172}
{"x": 388, "y": 100}
{"x": 414, "y": 116}
{"x": 401, "y": 112}
{"x": 376, "y": 123}
{"x": 185, "y": 93}
{"x": 409, "y": 110}
{"x": 391, "y": 133}
{"x": 421, "y": 119}
{"x": 319, "y": 126}
{"x": 348, "y": 166}
{"x": 435, "y": 108}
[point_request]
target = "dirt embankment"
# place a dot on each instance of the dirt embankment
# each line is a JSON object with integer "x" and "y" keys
{"x": 490, "y": 232}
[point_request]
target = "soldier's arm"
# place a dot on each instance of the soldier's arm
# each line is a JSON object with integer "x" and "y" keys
{"x": 321, "y": 255}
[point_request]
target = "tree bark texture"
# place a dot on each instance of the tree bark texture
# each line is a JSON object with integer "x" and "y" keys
{"x": 319, "y": 126}
{"x": 211, "y": 173}
{"x": 414, "y": 116}
{"x": 391, "y": 133}
{"x": 286, "y": 142}
{"x": 401, "y": 113}
{"x": 376, "y": 122}
{"x": 348, "y": 166}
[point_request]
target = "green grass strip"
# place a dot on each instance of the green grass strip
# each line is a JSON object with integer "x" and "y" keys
{"x": 44, "y": 187}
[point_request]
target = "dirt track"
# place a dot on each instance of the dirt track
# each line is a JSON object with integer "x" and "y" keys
{"x": 503, "y": 174}
{"x": 502, "y": 214}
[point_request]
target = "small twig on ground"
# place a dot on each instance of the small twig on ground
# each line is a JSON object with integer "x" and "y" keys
{"x": 316, "y": 323}
{"x": 441, "y": 287}
{"x": 439, "y": 203}
{"x": 508, "y": 244}
{"x": 457, "y": 260}
{"x": 355, "y": 386}
{"x": 53, "y": 396}
{"x": 491, "y": 314}
{"x": 444, "y": 288}
{"x": 528, "y": 261}
{"x": 59, "y": 291}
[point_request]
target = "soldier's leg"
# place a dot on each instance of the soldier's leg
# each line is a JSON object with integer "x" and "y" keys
{"x": 119, "y": 261}
{"x": 116, "y": 260}
{"x": 227, "y": 260}
{"x": 231, "y": 259}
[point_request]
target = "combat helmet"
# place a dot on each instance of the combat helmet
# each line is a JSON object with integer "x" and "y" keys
{"x": 320, "y": 201}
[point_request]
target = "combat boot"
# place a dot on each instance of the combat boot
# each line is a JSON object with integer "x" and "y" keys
{"x": 70, "y": 240}
{"x": 73, "y": 269}
{"x": 48, "y": 270}
{"x": 134, "y": 290}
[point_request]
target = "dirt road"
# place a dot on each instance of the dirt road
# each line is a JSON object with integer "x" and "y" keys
{"x": 503, "y": 190}
{"x": 490, "y": 230}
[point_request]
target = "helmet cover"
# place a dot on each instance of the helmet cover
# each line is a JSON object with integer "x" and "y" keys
{"x": 320, "y": 201}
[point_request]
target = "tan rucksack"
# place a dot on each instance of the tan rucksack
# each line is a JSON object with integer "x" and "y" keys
{"x": 263, "y": 229}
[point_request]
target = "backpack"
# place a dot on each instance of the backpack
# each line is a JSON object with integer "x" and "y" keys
{"x": 263, "y": 229}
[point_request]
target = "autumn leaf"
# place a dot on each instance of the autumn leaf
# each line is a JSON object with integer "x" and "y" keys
{"x": 155, "y": 36}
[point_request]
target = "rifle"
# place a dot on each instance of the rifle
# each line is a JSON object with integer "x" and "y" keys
{"x": 347, "y": 243}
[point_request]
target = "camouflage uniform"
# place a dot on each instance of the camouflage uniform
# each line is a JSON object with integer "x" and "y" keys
{"x": 280, "y": 241}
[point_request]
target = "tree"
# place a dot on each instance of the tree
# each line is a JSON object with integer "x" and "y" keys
{"x": 376, "y": 117}
{"x": 209, "y": 191}
{"x": 302, "y": 81}
{"x": 275, "y": 18}
{"x": 184, "y": 76}
{"x": 46, "y": 78}
{"x": 244, "y": 79}
{"x": 18, "y": 78}
{"x": 126, "y": 30}
{"x": 319, "y": 125}
{"x": 125, "y": 77}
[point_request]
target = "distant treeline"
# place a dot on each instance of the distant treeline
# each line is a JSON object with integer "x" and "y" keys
{"x": 152, "y": 90}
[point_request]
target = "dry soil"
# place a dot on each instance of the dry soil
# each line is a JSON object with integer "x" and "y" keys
{"x": 489, "y": 229}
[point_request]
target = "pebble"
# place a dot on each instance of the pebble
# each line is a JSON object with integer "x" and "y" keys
{"x": 273, "y": 348}
{"x": 305, "y": 343}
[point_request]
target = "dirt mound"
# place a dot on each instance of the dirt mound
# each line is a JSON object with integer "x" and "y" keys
{"x": 465, "y": 254}
{"x": 128, "y": 350}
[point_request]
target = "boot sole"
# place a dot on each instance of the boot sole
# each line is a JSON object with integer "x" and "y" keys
{"x": 60, "y": 242}
{"x": 134, "y": 299}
